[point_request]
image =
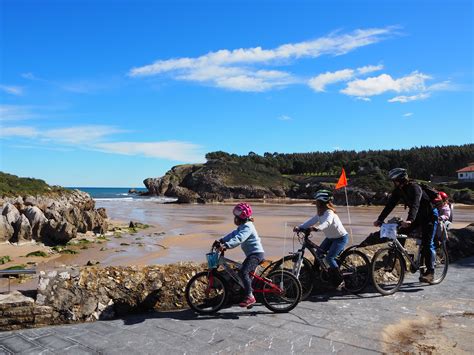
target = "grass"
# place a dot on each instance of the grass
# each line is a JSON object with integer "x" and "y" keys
{"x": 37, "y": 253}
{"x": 4, "y": 259}
{"x": 63, "y": 250}
{"x": 12, "y": 185}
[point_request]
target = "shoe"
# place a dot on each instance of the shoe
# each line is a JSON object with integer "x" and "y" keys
{"x": 341, "y": 287}
{"x": 428, "y": 277}
{"x": 248, "y": 301}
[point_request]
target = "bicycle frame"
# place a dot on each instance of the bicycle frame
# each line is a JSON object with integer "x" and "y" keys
{"x": 226, "y": 264}
{"x": 414, "y": 262}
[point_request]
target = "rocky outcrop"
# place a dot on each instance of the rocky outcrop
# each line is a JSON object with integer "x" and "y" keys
{"x": 6, "y": 230}
{"x": 18, "y": 311}
{"x": 52, "y": 220}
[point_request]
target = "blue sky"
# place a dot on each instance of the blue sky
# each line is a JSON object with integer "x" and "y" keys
{"x": 108, "y": 93}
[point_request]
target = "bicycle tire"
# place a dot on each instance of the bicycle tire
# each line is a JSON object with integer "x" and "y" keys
{"x": 306, "y": 276}
{"x": 441, "y": 264}
{"x": 197, "y": 288}
{"x": 387, "y": 271}
{"x": 288, "y": 299}
{"x": 354, "y": 266}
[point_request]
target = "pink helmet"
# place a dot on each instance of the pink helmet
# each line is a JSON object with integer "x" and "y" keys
{"x": 443, "y": 195}
{"x": 242, "y": 210}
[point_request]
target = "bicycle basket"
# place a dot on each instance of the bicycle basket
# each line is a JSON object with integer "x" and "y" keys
{"x": 388, "y": 230}
{"x": 212, "y": 259}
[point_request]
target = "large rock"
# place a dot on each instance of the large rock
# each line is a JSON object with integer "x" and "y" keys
{"x": 23, "y": 232}
{"x": 11, "y": 213}
{"x": 59, "y": 232}
{"x": 185, "y": 195}
{"x": 6, "y": 230}
{"x": 37, "y": 220}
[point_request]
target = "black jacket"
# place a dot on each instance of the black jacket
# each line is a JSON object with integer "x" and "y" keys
{"x": 417, "y": 201}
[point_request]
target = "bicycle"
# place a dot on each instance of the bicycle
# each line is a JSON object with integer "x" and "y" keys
{"x": 209, "y": 291}
{"x": 354, "y": 266}
{"x": 389, "y": 264}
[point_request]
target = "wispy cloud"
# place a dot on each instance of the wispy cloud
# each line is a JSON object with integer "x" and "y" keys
{"x": 12, "y": 90}
{"x": 237, "y": 69}
{"x": 171, "y": 150}
{"x": 94, "y": 137}
{"x": 284, "y": 118}
{"x": 408, "y": 114}
{"x": 15, "y": 113}
{"x": 404, "y": 99}
{"x": 319, "y": 83}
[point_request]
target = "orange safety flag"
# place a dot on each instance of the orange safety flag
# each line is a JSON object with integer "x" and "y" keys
{"x": 342, "y": 180}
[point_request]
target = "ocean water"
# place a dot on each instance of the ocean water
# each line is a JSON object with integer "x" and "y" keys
{"x": 120, "y": 193}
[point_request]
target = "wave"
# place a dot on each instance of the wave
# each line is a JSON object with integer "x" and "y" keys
{"x": 137, "y": 199}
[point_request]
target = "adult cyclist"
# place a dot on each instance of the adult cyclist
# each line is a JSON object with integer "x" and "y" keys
{"x": 421, "y": 214}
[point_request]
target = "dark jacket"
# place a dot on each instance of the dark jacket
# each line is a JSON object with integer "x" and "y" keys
{"x": 417, "y": 201}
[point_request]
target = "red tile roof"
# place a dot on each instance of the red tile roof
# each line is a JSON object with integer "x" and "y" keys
{"x": 466, "y": 169}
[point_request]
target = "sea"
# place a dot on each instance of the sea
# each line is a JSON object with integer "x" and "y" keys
{"x": 120, "y": 193}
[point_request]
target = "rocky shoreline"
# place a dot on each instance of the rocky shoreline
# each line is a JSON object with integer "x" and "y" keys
{"x": 50, "y": 220}
{"x": 216, "y": 181}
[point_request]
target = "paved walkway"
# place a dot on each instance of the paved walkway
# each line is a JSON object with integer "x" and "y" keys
{"x": 419, "y": 318}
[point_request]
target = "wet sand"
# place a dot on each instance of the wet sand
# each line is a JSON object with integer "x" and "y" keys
{"x": 186, "y": 232}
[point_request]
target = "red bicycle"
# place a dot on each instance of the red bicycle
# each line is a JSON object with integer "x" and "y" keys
{"x": 209, "y": 291}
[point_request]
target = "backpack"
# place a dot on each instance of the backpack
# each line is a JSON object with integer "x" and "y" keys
{"x": 431, "y": 192}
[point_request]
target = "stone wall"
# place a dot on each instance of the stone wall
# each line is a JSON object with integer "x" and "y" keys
{"x": 18, "y": 311}
{"x": 93, "y": 293}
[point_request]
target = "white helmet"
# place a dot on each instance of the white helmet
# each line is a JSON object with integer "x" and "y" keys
{"x": 398, "y": 174}
{"x": 323, "y": 195}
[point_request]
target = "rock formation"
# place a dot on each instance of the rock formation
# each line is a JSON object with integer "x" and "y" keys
{"x": 52, "y": 220}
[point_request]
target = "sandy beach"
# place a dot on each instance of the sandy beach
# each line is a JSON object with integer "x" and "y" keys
{"x": 185, "y": 232}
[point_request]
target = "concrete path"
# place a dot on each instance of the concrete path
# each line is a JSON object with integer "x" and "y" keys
{"x": 419, "y": 318}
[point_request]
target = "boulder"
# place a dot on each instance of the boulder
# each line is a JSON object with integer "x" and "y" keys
{"x": 53, "y": 214}
{"x": 29, "y": 201}
{"x": 11, "y": 213}
{"x": 102, "y": 212}
{"x": 59, "y": 232}
{"x": 74, "y": 216}
{"x": 185, "y": 195}
{"x": 23, "y": 231}
{"x": 6, "y": 229}
{"x": 37, "y": 220}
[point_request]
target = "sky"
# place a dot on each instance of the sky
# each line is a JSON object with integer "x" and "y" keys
{"x": 108, "y": 93}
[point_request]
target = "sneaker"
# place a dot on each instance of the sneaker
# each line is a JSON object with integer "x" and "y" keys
{"x": 248, "y": 301}
{"x": 428, "y": 277}
{"x": 341, "y": 287}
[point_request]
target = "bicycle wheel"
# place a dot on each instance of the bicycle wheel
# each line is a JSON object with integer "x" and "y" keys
{"x": 387, "y": 271}
{"x": 355, "y": 270}
{"x": 288, "y": 298}
{"x": 441, "y": 264}
{"x": 306, "y": 276}
{"x": 206, "y": 292}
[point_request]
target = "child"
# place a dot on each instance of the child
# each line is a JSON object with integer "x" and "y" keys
{"x": 336, "y": 235}
{"x": 247, "y": 237}
{"x": 445, "y": 215}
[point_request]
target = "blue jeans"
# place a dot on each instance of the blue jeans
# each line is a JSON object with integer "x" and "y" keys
{"x": 334, "y": 247}
{"x": 250, "y": 264}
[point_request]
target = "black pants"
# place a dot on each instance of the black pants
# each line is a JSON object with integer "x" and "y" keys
{"x": 250, "y": 264}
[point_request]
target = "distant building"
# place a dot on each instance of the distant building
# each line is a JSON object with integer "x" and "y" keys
{"x": 466, "y": 174}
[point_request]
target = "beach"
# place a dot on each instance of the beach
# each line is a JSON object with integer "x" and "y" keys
{"x": 185, "y": 232}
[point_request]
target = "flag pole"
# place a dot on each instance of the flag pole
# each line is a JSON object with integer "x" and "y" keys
{"x": 349, "y": 215}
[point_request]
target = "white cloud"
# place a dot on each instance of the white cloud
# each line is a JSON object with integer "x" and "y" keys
{"x": 91, "y": 137}
{"x": 80, "y": 134}
{"x": 443, "y": 86}
{"x": 15, "y": 113}
{"x": 19, "y": 131}
{"x": 366, "y": 99}
{"x": 29, "y": 76}
{"x": 284, "y": 118}
{"x": 231, "y": 69}
{"x": 319, "y": 82}
{"x": 408, "y": 114}
{"x": 12, "y": 90}
{"x": 171, "y": 150}
{"x": 384, "y": 83}
{"x": 404, "y": 99}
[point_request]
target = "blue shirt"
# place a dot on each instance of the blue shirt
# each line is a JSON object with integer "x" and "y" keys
{"x": 246, "y": 236}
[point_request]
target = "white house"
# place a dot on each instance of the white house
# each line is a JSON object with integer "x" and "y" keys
{"x": 467, "y": 173}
